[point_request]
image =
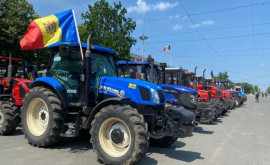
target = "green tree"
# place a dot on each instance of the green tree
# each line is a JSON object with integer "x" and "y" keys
{"x": 222, "y": 76}
{"x": 109, "y": 26}
{"x": 149, "y": 58}
{"x": 268, "y": 90}
{"x": 247, "y": 87}
{"x": 15, "y": 17}
{"x": 255, "y": 88}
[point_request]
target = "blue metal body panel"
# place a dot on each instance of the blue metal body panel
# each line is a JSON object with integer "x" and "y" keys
{"x": 84, "y": 45}
{"x": 50, "y": 81}
{"x": 125, "y": 87}
{"x": 134, "y": 63}
{"x": 179, "y": 88}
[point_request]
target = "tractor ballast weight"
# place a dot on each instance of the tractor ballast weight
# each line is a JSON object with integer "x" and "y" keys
{"x": 82, "y": 92}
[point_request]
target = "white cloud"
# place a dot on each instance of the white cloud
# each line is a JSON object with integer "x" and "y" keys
{"x": 209, "y": 22}
{"x": 195, "y": 25}
{"x": 177, "y": 27}
{"x": 263, "y": 64}
{"x": 204, "y": 23}
{"x": 143, "y": 7}
{"x": 139, "y": 21}
{"x": 164, "y": 5}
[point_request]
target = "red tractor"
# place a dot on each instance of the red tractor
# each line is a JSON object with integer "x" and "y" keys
{"x": 13, "y": 88}
{"x": 206, "y": 98}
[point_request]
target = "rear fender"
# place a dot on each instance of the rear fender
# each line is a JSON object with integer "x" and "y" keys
{"x": 53, "y": 85}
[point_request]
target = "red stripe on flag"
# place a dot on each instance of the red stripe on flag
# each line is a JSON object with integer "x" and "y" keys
{"x": 164, "y": 49}
{"x": 33, "y": 38}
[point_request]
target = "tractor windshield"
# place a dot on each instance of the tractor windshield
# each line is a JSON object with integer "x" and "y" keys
{"x": 103, "y": 65}
{"x": 139, "y": 72}
{"x": 171, "y": 78}
{"x": 18, "y": 69}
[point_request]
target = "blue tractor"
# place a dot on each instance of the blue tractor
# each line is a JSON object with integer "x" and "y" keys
{"x": 174, "y": 94}
{"x": 83, "y": 92}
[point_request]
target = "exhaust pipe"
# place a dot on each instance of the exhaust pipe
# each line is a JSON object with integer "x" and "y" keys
{"x": 87, "y": 63}
{"x": 152, "y": 71}
{"x": 9, "y": 73}
{"x": 195, "y": 80}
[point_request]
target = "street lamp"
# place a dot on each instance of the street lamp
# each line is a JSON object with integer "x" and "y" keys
{"x": 143, "y": 37}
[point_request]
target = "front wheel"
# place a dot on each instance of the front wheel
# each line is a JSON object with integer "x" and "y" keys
{"x": 119, "y": 135}
{"x": 9, "y": 118}
{"x": 42, "y": 117}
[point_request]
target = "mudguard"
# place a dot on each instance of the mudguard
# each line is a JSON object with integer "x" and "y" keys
{"x": 54, "y": 84}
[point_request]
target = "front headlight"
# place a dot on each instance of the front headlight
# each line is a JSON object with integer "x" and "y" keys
{"x": 155, "y": 96}
{"x": 193, "y": 99}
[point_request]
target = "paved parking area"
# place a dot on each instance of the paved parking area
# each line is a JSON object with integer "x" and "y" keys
{"x": 242, "y": 136}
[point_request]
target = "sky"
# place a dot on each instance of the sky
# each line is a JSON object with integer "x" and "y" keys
{"x": 218, "y": 35}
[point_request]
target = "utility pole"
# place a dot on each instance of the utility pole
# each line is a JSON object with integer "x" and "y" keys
{"x": 143, "y": 37}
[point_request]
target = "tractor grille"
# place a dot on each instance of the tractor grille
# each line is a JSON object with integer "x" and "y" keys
{"x": 218, "y": 93}
{"x": 22, "y": 91}
{"x": 161, "y": 96}
{"x": 145, "y": 94}
{"x": 209, "y": 94}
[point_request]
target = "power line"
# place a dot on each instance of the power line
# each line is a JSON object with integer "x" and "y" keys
{"x": 253, "y": 42}
{"x": 217, "y": 38}
{"x": 79, "y": 4}
{"x": 213, "y": 29}
{"x": 199, "y": 31}
{"x": 222, "y": 51}
{"x": 210, "y": 12}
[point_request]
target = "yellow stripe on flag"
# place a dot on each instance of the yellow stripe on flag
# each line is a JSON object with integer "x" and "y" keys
{"x": 49, "y": 27}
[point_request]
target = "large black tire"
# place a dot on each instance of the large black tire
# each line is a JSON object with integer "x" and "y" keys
{"x": 237, "y": 101}
{"x": 163, "y": 142}
{"x": 207, "y": 105}
{"x": 129, "y": 124}
{"x": 42, "y": 117}
{"x": 9, "y": 118}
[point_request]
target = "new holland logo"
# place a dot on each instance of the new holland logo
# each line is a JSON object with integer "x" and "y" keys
{"x": 50, "y": 27}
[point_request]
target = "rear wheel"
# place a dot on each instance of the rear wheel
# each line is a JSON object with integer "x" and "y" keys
{"x": 119, "y": 135}
{"x": 9, "y": 118}
{"x": 42, "y": 117}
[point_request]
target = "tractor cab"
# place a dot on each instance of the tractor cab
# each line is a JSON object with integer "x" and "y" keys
{"x": 65, "y": 67}
{"x": 138, "y": 70}
{"x": 18, "y": 67}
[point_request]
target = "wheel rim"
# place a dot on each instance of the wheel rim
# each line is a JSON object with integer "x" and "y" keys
{"x": 1, "y": 117}
{"x": 37, "y": 116}
{"x": 113, "y": 145}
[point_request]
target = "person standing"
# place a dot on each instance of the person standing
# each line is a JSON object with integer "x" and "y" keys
{"x": 257, "y": 97}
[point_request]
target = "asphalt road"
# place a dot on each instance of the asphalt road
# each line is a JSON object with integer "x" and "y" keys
{"x": 241, "y": 137}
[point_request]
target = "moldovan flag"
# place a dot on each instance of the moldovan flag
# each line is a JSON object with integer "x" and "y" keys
{"x": 212, "y": 75}
{"x": 167, "y": 48}
{"x": 45, "y": 31}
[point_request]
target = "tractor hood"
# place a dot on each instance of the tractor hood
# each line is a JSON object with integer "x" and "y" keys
{"x": 139, "y": 91}
{"x": 179, "y": 88}
{"x": 179, "y": 95}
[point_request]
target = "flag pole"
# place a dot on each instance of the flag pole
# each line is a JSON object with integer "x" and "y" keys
{"x": 170, "y": 56}
{"x": 77, "y": 33}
